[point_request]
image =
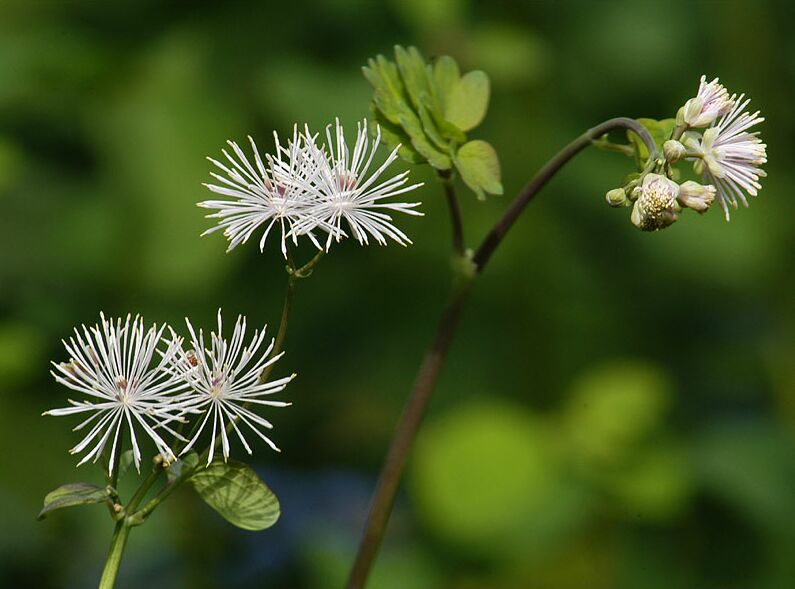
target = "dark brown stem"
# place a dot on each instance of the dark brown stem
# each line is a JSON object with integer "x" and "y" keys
{"x": 496, "y": 235}
{"x": 425, "y": 382}
{"x": 455, "y": 212}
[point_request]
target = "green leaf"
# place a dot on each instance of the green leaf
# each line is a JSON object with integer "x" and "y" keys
{"x": 389, "y": 93}
{"x": 446, "y": 77}
{"x": 73, "y": 494}
{"x": 479, "y": 167}
{"x": 466, "y": 105}
{"x": 413, "y": 72}
{"x": 660, "y": 132}
{"x": 394, "y": 135}
{"x": 413, "y": 127}
{"x": 186, "y": 464}
{"x": 237, "y": 494}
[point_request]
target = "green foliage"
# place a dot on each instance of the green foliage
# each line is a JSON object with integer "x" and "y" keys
{"x": 479, "y": 167}
{"x": 427, "y": 110}
{"x": 237, "y": 494}
{"x": 466, "y": 105}
{"x": 660, "y": 132}
{"x": 73, "y": 494}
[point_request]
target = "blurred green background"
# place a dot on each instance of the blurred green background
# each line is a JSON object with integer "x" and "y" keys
{"x": 618, "y": 409}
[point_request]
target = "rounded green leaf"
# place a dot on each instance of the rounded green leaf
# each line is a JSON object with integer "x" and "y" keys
{"x": 73, "y": 494}
{"x": 235, "y": 491}
{"x": 479, "y": 167}
{"x": 466, "y": 105}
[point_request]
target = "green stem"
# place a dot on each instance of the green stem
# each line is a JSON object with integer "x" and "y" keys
{"x": 140, "y": 516}
{"x": 425, "y": 382}
{"x": 117, "y": 545}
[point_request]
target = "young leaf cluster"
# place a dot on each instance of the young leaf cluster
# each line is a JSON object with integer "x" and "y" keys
{"x": 428, "y": 109}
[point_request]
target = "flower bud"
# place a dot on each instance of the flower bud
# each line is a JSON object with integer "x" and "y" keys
{"x": 674, "y": 151}
{"x": 711, "y": 101}
{"x": 616, "y": 197}
{"x": 656, "y": 206}
{"x": 696, "y": 196}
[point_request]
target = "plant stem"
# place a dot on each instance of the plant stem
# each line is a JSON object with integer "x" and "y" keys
{"x": 293, "y": 275}
{"x": 117, "y": 544}
{"x": 122, "y": 530}
{"x": 496, "y": 235}
{"x": 425, "y": 382}
{"x": 455, "y": 212}
{"x": 141, "y": 515}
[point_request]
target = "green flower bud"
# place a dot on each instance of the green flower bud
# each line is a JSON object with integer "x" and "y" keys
{"x": 616, "y": 197}
{"x": 696, "y": 196}
{"x": 674, "y": 151}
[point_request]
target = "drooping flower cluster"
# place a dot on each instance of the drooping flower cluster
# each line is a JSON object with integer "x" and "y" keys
{"x": 726, "y": 155}
{"x": 143, "y": 380}
{"x": 308, "y": 188}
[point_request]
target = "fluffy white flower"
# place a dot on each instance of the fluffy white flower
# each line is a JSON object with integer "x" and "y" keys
{"x": 343, "y": 191}
{"x": 224, "y": 380}
{"x": 731, "y": 156}
{"x": 118, "y": 365}
{"x": 711, "y": 101}
{"x": 272, "y": 194}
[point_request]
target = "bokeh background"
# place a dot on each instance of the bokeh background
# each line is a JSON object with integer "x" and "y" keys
{"x": 618, "y": 408}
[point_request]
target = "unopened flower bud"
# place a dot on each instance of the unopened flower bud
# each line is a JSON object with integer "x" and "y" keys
{"x": 711, "y": 101}
{"x": 616, "y": 197}
{"x": 698, "y": 167}
{"x": 656, "y": 206}
{"x": 674, "y": 151}
{"x": 696, "y": 196}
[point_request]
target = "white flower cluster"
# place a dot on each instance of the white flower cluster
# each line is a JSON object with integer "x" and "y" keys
{"x": 144, "y": 380}
{"x": 308, "y": 188}
{"x": 726, "y": 154}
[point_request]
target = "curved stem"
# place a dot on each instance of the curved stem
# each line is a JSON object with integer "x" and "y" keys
{"x": 425, "y": 382}
{"x": 117, "y": 545}
{"x": 496, "y": 235}
{"x": 455, "y": 212}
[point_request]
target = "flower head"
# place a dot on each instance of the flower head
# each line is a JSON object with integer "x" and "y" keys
{"x": 656, "y": 206}
{"x": 730, "y": 156}
{"x": 224, "y": 380}
{"x": 117, "y": 365}
{"x": 711, "y": 101}
{"x": 272, "y": 194}
{"x": 343, "y": 191}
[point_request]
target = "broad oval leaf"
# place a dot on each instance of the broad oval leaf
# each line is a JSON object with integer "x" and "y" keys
{"x": 446, "y": 77}
{"x": 479, "y": 167}
{"x": 235, "y": 491}
{"x": 466, "y": 105}
{"x": 73, "y": 494}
